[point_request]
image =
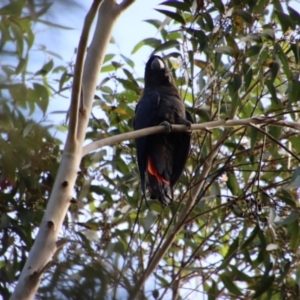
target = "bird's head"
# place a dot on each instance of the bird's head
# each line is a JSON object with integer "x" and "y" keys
{"x": 157, "y": 73}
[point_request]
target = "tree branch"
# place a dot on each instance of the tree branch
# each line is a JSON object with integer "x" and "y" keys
{"x": 45, "y": 245}
{"x": 125, "y": 4}
{"x": 177, "y": 128}
{"x": 78, "y": 71}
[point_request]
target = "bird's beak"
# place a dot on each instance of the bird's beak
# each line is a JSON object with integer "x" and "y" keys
{"x": 157, "y": 64}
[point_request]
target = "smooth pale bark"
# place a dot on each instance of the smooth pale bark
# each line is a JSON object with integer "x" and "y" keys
{"x": 46, "y": 243}
{"x": 194, "y": 127}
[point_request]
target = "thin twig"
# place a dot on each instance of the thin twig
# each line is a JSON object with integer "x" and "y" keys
{"x": 276, "y": 141}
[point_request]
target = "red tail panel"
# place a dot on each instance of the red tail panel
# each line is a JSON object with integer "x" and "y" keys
{"x": 153, "y": 172}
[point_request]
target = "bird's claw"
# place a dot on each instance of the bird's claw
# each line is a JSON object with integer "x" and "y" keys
{"x": 187, "y": 123}
{"x": 167, "y": 126}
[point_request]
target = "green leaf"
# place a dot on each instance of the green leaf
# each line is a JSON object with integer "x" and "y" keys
{"x": 209, "y": 21}
{"x": 286, "y": 197}
{"x": 225, "y": 50}
{"x": 129, "y": 76}
{"x": 272, "y": 91}
{"x": 233, "y": 185}
{"x": 28, "y": 128}
{"x": 263, "y": 286}
{"x": 219, "y": 5}
{"x": 232, "y": 251}
{"x": 295, "y": 143}
{"x": 232, "y": 43}
{"x": 293, "y": 90}
{"x": 248, "y": 74}
{"x": 163, "y": 281}
{"x": 151, "y": 42}
{"x": 174, "y": 16}
{"x": 108, "y": 68}
{"x": 30, "y": 38}
{"x": 43, "y": 96}
{"x": 235, "y": 83}
{"x": 149, "y": 220}
{"x": 116, "y": 64}
{"x": 101, "y": 190}
{"x": 294, "y": 230}
{"x": 274, "y": 68}
{"x": 251, "y": 238}
{"x": 212, "y": 291}
{"x": 238, "y": 275}
{"x": 268, "y": 33}
{"x": 259, "y": 6}
{"x": 167, "y": 45}
{"x": 156, "y": 23}
{"x": 108, "y": 58}
{"x": 46, "y": 68}
{"x": 295, "y": 181}
{"x": 128, "y": 84}
{"x": 51, "y": 24}
{"x": 286, "y": 21}
{"x": 253, "y": 50}
{"x": 13, "y": 9}
{"x": 18, "y": 35}
{"x": 284, "y": 60}
{"x": 296, "y": 50}
{"x": 230, "y": 285}
{"x": 275, "y": 132}
{"x": 44, "y": 9}
{"x": 128, "y": 61}
{"x": 5, "y": 220}
{"x": 293, "y": 216}
{"x": 22, "y": 65}
{"x": 90, "y": 225}
{"x": 252, "y": 38}
{"x": 245, "y": 16}
{"x": 253, "y": 137}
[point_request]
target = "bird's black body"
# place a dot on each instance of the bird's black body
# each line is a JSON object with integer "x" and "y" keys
{"x": 161, "y": 157}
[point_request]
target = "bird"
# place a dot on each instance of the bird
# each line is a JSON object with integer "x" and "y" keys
{"x": 161, "y": 157}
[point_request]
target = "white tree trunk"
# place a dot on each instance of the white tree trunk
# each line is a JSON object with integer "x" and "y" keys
{"x": 46, "y": 243}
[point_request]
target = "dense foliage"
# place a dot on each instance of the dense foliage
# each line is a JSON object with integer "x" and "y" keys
{"x": 231, "y": 60}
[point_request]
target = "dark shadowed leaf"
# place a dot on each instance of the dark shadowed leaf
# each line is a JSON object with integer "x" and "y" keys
{"x": 230, "y": 285}
{"x": 295, "y": 16}
{"x": 248, "y": 73}
{"x": 296, "y": 50}
{"x": 285, "y": 20}
{"x": 174, "y": 16}
{"x": 219, "y": 5}
{"x": 253, "y": 50}
{"x": 263, "y": 286}
{"x": 294, "y": 230}
{"x": 177, "y": 4}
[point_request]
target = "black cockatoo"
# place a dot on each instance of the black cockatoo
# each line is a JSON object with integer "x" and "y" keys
{"x": 161, "y": 157}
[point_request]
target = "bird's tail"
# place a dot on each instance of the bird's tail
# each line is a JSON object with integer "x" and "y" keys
{"x": 158, "y": 186}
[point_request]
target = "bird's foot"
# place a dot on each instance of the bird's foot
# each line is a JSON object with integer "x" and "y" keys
{"x": 167, "y": 125}
{"x": 187, "y": 123}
